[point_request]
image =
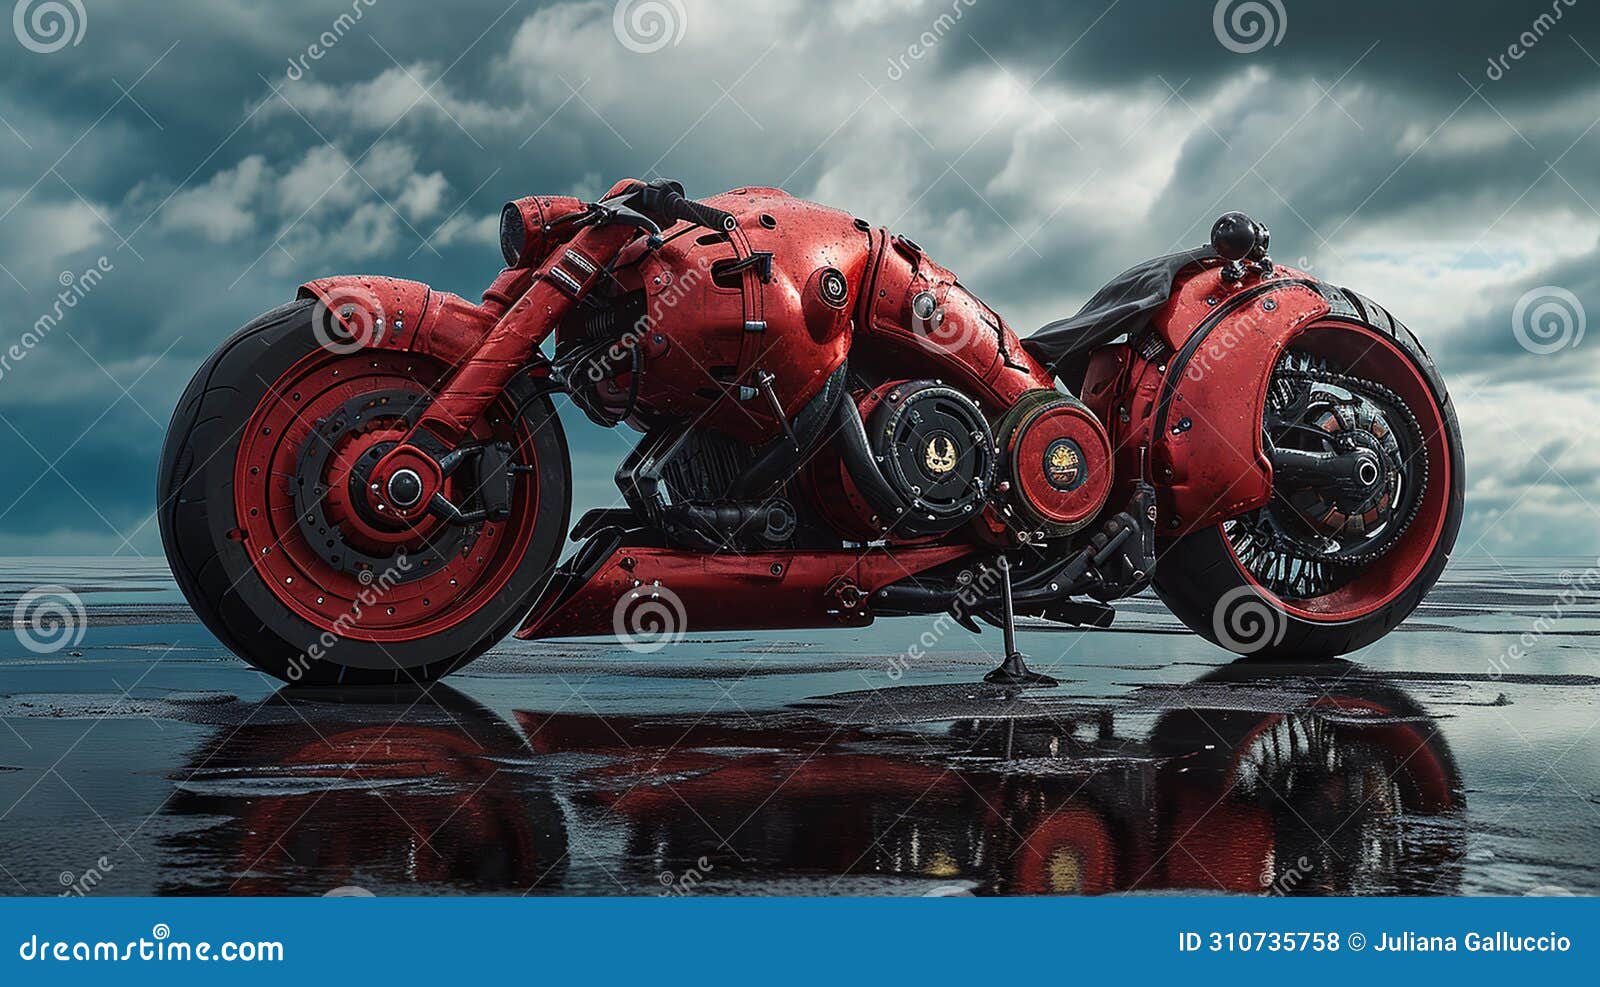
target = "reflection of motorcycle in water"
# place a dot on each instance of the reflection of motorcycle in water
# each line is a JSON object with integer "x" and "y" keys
{"x": 329, "y": 791}
{"x": 1353, "y": 790}
{"x": 1255, "y": 779}
{"x": 1318, "y": 799}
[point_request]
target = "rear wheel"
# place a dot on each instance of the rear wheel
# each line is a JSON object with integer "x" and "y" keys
{"x": 1324, "y": 569}
{"x": 281, "y": 558}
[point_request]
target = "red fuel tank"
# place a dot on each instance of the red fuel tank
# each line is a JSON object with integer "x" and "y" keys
{"x": 720, "y": 309}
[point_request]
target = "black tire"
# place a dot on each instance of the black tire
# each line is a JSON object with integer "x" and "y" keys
{"x": 195, "y": 509}
{"x": 1198, "y": 576}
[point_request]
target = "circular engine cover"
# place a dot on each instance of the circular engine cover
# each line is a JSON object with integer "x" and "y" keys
{"x": 1059, "y": 458}
{"x": 935, "y": 448}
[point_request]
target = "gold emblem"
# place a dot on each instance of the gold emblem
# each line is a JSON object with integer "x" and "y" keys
{"x": 940, "y": 455}
{"x": 1063, "y": 465}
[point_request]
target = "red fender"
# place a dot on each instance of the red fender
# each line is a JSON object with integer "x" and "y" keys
{"x": 395, "y": 314}
{"x": 1204, "y": 424}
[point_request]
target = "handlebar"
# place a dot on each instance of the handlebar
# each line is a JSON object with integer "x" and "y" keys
{"x": 666, "y": 199}
{"x": 700, "y": 214}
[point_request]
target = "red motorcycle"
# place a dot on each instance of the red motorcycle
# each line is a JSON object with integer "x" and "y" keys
{"x": 370, "y": 484}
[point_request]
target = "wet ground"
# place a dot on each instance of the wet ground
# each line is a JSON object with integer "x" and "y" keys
{"x": 144, "y": 759}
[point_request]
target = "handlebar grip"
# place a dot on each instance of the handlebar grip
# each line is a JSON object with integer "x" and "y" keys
{"x": 679, "y": 207}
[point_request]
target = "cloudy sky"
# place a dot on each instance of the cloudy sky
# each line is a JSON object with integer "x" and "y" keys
{"x": 204, "y": 158}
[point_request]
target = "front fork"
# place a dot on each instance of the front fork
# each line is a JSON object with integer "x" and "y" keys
{"x": 407, "y": 481}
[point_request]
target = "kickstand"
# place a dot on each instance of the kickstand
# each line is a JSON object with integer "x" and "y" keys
{"x": 1014, "y": 670}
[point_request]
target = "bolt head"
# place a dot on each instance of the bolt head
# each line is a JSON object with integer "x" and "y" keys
{"x": 404, "y": 488}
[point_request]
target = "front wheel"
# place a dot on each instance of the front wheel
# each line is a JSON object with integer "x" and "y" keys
{"x": 271, "y": 543}
{"x": 1324, "y": 569}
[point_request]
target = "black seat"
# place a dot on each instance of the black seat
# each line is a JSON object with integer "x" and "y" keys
{"x": 1124, "y": 305}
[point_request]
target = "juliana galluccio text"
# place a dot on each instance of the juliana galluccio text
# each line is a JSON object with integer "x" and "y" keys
{"x": 1473, "y": 942}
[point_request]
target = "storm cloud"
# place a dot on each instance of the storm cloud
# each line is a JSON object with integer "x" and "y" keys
{"x": 205, "y": 158}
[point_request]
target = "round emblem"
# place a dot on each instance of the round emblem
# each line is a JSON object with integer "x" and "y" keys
{"x": 1063, "y": 465}
{"x": 833, "y": 287}
{"x": 940, "y": 455}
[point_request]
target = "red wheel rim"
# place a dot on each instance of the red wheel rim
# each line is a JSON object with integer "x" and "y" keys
{"x": 417, "y": 596}
{"x": 1369, "y": 354}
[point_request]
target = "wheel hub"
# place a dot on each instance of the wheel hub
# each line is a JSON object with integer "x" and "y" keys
{"x": 1349, "y": 470}
{"x": 1359, "y": 502}
{"x": 340, "y": 520}
{"x": 405, "y": 487}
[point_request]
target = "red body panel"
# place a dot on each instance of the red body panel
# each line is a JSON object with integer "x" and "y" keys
{"x": 758, "y": 591}
{"x": 962, "y": 341}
